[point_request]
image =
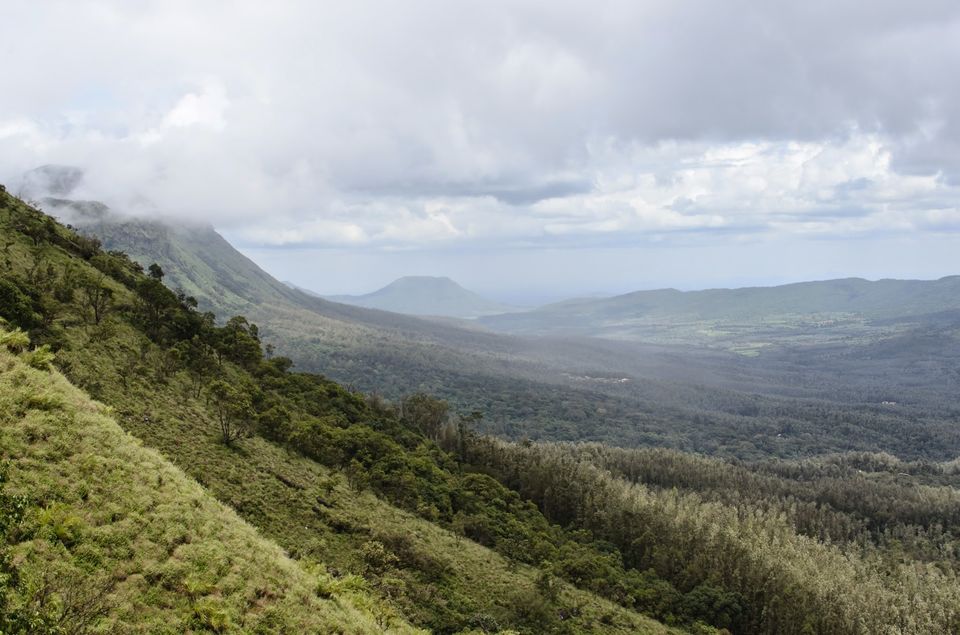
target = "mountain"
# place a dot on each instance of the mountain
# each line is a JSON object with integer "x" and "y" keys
{"x": 426, "y": 295}
{"x": 657, "y": 389}
{"x": 50, "y": 180}
{"x": 715, "y": 314}
{"x": 371, "y": 516}
{"x": 363, "y": 523}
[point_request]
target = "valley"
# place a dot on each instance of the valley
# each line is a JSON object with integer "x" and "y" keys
{"x": 398, "y": 501}
{"x": 747, "y": 392}
{"x": 497, "y": 318}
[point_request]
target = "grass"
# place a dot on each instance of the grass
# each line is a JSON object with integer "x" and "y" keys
{"x": 310, "y": 510}
{"x": 117, "y": 526}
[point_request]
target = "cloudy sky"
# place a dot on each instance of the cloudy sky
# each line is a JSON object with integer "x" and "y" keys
{"x": 527, "y": 149}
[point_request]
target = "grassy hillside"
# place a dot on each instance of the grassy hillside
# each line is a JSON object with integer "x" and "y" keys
{"x": 116, "y": 539}
{"x": 140, "y": 358}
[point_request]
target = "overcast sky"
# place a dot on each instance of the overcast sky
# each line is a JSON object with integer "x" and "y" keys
{"x": 530, "y": 149}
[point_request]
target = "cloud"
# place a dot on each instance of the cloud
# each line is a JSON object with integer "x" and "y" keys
{"x": 429, "y": 124}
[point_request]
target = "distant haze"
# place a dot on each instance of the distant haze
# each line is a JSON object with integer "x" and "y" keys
{"x": 529, "y": 150}
{"x": 524, "y": 278}
{"x": 426, "y": 295}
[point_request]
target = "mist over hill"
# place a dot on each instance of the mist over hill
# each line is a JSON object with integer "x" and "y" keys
{"x": 426, "y": 295}
{"x": 50, "y": 180}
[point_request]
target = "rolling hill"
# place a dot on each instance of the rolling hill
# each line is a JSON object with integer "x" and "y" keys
{"x": 761, "y": 314}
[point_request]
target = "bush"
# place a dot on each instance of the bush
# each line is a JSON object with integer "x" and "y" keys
{"x": 40, "y": 358}
{"x": 16, "y": 341}
{"x": 59, "y": 524}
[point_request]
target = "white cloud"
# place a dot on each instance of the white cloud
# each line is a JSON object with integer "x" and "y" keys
{"x": 506, "y": 123}
{"x": 204, "y": 108}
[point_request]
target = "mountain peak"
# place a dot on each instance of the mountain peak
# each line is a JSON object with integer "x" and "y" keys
{"x": 426, "y": 295}
{"x": 424, "y": 281}
{"x": 50, "y": 180}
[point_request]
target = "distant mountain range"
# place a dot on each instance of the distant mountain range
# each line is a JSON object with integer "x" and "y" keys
{"x": 645, "y": 382}
{"x": 426, "y": 295}
{"x": 635, "y": 315}
{"x": 318, "y": 472}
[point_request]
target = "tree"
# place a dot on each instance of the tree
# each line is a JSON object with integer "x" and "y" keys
{"x": 155, "y": 272}
{"x": 239, "y": 341}
{"x": 234, "y": 411}
{"x": 197, "y": 356}
{"x": 275, "y": 421}
{"x": 155, "y": 302}
{"x": 16, "y": 306}
{"x": 426, "y": 414}
{"x": 466, "y": 428}
{"x": 95, "y": 296}
{"x": 38, "y": 226}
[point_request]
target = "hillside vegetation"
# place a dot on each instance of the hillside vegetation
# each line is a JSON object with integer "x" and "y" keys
{"x": 836, "y": 551}
{"x": 110, "y": 537}
{"x": 209, "y": 398}
{"x": 427, "y": 522}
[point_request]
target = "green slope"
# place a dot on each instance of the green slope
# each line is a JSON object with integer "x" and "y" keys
{"x": 395, "y": 564}
{"x": 120, "y": 538}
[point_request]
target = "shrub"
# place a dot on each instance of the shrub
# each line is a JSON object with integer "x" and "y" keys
{"x": 16, "y": 341}
{"x": 40, "y": 358}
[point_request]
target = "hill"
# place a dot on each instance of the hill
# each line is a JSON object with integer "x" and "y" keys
{"x": 114, "y": 536}
{"x": 195, "y": 257}
{"x": 50, "y": 180}
{"x": 740, "y": 389}
{"x": 295, "y": 455}
{"x": 439, "y": 526}
{"x": 742, "y": 319}
{"x": 426, "y": 295}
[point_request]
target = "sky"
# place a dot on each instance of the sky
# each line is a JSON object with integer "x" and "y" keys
{"x": 529, "y": 150}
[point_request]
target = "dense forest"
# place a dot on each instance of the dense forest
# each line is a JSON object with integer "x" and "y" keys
{"x": 405, "y": 502}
